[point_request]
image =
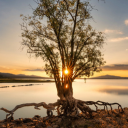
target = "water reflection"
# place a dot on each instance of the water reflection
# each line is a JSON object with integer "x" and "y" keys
{"x": 115, "y": 91}
{"x": 92, "y": 90}
{"x": 12, "y": 96}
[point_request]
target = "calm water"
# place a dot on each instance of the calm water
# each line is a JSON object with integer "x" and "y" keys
{"x": 93, "y": 90}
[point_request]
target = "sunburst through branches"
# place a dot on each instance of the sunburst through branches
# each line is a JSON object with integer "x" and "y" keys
{"x": 66, "y": 71}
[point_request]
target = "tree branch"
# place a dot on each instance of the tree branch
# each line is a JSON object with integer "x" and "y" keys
{"x": 69, "y": 11}
{"x": 72, "y": 40}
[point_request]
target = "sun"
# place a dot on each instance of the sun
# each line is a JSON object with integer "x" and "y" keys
{"x": 66, "y": 71}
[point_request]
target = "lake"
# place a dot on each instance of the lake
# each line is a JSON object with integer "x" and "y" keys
{"x": 107, "y": 90}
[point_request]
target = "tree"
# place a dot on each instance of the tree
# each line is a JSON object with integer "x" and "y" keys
{"x": 65, "y": 42}
{"x": 59, "y": 32}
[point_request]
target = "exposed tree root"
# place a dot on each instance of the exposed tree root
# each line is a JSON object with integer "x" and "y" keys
{"x": 67, "y": 108}
{"x": 49, "y": 108}
{"x": 82, "y": 105}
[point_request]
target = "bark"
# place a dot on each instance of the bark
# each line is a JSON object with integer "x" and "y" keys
{"x": 66, "y": 96}
{"x": 65, "y": 91}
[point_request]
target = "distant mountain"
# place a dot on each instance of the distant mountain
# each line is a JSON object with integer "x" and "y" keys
{"x": 109, "y": 77}
{"x": 9, "y": 75}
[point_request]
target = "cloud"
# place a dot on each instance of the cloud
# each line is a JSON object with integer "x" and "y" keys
{"x": 126, "y": 22}
{"x": 110, "y": 31}
{"x": 115, "y": 67}
{"x": 118, "y": 39}
{"x": 4, "y": 68}
{"x": 37, "y": 69}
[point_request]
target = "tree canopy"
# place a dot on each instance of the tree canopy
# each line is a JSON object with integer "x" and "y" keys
{"x": 59, "y": 32}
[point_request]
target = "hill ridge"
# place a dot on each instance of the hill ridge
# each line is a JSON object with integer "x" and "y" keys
{"x": 10, "y": 75}
{"x": 109, "y": 77}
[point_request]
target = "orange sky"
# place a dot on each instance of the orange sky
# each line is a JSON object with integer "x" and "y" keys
{"x": 111, "y": 18}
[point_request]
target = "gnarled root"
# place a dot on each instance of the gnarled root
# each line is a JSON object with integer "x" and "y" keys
{"x": 75, "y": 105}
{"x": 82, "y": 105}
{"x": 49, "y": 108}
{"x": 69, "y": 107}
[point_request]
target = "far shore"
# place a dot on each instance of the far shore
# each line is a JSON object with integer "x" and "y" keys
{"x": 7, "y": 80}
{"x": 39, "y": 80}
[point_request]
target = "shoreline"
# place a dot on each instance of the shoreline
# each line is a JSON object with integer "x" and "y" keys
{"x": 24, "y": 81}
{"x": 100, "y": 120}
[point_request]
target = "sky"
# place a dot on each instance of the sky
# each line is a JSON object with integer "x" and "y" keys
{"x": 110, "y": 17}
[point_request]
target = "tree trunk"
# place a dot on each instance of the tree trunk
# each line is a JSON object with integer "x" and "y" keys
{"x": 68, "y": 90}
{"x": 65, "y": 94}
{"x": 65, "y": 91}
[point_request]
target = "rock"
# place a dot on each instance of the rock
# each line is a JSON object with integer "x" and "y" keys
{"x": 118, "y": 115}
{"x": 100, "y": 121}
{"x": 49, "y": 127}
{"x": 26, "y": 120}
{"x": 124, "y": 126}
{"x": 54, "y": 119}
{"x": 30, "y": 124}
{"x": 126, "y": 112}
{"x": 12, "y": 127}
{"x": 59, "y": 120}
{"x": 104, "y": 115}
{"x": 18, "y": 121}
{"x": 94, "y": 114}
{"x": 73, "y": 114}
{"x": 115, "y": 111}
{"x": 45, "y": 118}
{"x": 36, "y": 116}
{"x": 40, "y": 125}
{"x": 55, "y": 126}
{"x": 53, "y": 123}
{"x": 97, "y": 121}
{"x": 35, "y": 122}
{"x": 2, "y": 126}
{"x": 110, "y": 126}
{"x": 108, "y": 119}
{"x": 123, "y": 116}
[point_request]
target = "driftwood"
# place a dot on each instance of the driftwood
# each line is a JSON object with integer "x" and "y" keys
{"x": 64, "y": 108}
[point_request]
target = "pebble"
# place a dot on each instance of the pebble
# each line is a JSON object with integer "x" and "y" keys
{"x": 55, "y": 126}
{"x": 26, "y": 120}
{"x": 49, "y": 127}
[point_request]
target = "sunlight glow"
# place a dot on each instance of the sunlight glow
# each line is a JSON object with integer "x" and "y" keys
{"x": 61, "y": 73}
{"x": 66, "y": 71}
{"x": 66, "y": 86}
